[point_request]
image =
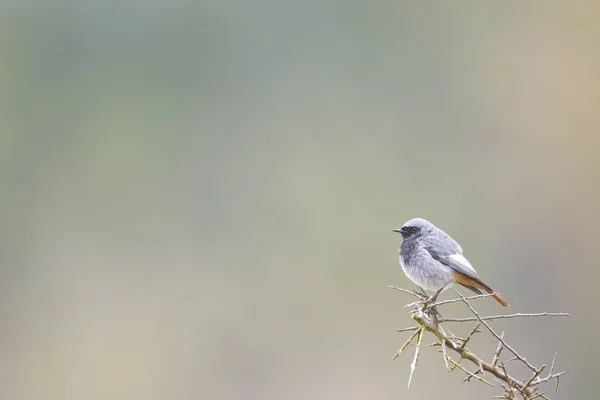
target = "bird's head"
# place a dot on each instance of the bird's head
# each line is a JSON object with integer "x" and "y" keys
{"x": 414, "y": 227}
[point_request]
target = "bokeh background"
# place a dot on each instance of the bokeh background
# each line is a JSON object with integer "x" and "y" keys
{"x": 198, "y": 197}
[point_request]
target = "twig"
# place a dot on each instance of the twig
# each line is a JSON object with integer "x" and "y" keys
{"x": 479, "y": 370}
{"x": 479, "y": 296}
{"x": 405, "y": 344}
{"x": 551, "y": 375}
{"x": 535, "y": 375}
{"x": 452, "y": 335}
{"x": 470, "y": 335}
{"x": 413, "y": 365}
{"x": 468, "y": 378}
{"x": 445, "y": 356}
{"x": 511, "y": 391}
{"x": 519, "y": 315}
{"x": 523, "y": 359}
{"x": 498, "y": 351}
{"x": 454, "y": 366}
{"x": 412, "y": 328}
{"x": 552, "y": 369}
{"x": 411, "y": 292}
{"x": 414, "y": 303}
{"x": 466, "y": 371}
{"x": 553, "y": 362}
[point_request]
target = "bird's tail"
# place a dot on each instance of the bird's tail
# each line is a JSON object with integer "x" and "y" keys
{"x": 499, "y": 299}
{"x": 475, "y": 284}
{"x": 495, "y": 295}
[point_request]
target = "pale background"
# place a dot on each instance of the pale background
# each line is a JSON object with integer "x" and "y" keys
{"x": 198, "y": 197}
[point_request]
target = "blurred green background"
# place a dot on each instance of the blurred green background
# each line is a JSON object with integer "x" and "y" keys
{"x": 198, "y": 197}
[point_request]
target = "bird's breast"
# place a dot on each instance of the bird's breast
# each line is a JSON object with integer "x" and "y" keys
{"x": 421, "y": 268}
{"x": 408, "y": 251}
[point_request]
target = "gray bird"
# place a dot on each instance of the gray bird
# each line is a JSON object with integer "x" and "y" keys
{"x": 434, "y": 261}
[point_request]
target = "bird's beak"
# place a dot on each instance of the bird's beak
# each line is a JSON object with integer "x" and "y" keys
{"x": 397, "y": 230}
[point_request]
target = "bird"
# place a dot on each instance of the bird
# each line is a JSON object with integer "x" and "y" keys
{"x": 434, "y": 261}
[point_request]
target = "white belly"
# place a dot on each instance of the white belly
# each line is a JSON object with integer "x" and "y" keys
{"x": 429, "y": 278}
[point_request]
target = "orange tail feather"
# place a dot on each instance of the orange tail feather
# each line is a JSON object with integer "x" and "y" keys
{"x": 500, "y": 299}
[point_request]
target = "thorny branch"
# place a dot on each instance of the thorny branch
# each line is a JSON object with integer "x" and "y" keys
{"x": 518, "y": 315}
{"x": 429, "y": 319}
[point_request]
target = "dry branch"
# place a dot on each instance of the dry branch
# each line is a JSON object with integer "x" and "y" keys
{"x": 413, "y": 365}
{"x": 518, "y": 315}
{"x": 426, "y": 315}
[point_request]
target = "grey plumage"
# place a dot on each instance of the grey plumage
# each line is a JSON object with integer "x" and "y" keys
{"x": 433, "y": 260}
{"x": 419, "y": 238}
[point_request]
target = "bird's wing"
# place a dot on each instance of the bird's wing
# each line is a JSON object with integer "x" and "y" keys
{"x": 448, "y": 252}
